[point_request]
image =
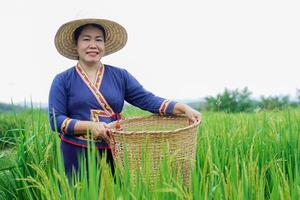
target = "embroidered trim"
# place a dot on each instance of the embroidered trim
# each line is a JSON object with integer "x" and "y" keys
{"x": 65, "y": 124}
{"x": 163, "y": 107}
{"x": 95, "y": 114}
{"x": 94, "y": 89}
{"x": 99, "y": 76}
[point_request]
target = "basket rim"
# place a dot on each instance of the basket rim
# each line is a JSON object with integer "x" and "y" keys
{"x": 195, "y": 124}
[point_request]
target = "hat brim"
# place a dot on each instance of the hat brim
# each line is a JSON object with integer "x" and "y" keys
{"x": 116, "y": 36}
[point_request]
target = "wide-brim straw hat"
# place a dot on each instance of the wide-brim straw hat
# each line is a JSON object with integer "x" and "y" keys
{"x": 115, "y": 36}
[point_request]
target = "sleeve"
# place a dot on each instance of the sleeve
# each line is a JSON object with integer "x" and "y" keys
{"x": 58, "y": 115}
{"x": 136, "y": 95}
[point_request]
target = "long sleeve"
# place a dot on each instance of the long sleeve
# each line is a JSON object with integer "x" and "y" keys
{"x": 58, "y": 115}
{"x": 136, "y": 95}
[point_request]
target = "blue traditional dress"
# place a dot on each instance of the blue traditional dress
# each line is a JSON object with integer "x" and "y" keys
{"x": 74, "y": 97}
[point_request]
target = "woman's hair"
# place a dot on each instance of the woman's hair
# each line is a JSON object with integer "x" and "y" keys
{"x": 78, "y": 31}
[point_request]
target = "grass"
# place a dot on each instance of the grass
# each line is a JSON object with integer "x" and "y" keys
{"x": 238, "y": 156}
{"x": 7, "y": 158}
{"x": 10, "y": 124}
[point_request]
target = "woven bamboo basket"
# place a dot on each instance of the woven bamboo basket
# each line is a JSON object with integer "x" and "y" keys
{"x": 155, "y": 137}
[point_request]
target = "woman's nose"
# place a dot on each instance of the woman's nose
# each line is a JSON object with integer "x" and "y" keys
{"x": 92, "y": 44}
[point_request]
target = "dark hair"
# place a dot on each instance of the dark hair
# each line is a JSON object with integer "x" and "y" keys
{"x": 78, "y": 31}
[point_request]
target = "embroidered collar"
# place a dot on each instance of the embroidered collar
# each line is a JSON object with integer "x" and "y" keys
{"x": 95, "y": 88}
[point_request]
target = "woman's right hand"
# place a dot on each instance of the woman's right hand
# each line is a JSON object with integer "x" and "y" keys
{"x": 100, "y": 130}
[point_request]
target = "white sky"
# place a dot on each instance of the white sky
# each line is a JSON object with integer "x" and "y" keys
{"x": 176, "y": 49}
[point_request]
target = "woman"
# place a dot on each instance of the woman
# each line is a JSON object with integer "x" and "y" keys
{"x": 90, "y": 95}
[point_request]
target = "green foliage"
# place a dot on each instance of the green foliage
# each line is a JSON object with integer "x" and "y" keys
{"x": 272, "y": 103}
{"x": 230, "y": 101}
{"x": 14, "y": 122}
{"x": 238, "y": 156}
{"x": 11, "y": 124}
{"x": 235, "y": 101}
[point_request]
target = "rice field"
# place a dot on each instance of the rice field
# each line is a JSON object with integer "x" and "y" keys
{"x": 238, "y": 156}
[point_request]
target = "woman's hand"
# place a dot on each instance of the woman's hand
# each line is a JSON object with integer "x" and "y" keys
{"x": 192, "y": 114}
{"x": 100, "y": 130}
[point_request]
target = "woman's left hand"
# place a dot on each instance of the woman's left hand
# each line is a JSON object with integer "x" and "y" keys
{"x": 192, "y": 114}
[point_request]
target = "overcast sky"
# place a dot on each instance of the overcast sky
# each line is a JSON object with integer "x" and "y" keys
{"x": 177, "y": 49}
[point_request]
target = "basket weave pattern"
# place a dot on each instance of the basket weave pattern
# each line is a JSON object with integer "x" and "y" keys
{"x": 158, "y": 136}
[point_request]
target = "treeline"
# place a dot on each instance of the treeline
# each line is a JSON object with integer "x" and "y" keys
{"x": 241, "y": 101}
{"x": 231, "y": 101}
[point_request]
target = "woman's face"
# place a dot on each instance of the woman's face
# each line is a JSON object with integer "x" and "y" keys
{"x": 90, "y": 45}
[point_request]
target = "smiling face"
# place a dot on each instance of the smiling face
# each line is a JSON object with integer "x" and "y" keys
{"x": 90, "y": 45}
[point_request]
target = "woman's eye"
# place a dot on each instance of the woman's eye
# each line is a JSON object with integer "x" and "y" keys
{"x": 99, "y": 40}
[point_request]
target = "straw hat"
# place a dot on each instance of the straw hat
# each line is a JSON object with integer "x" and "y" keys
{"x": 115, "y": 34}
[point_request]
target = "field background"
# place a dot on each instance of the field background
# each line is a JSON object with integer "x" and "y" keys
{"x": 239, "y": 156}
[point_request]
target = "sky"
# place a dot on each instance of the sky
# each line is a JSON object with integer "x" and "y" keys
{"x": 176, "y": 49}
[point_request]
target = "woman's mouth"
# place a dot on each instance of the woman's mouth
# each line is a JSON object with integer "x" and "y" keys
{"x": 92, "y": 53}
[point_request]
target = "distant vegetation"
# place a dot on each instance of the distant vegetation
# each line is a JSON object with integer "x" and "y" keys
{"x": 235, "y": 101}
{"x": 230, "y": 101}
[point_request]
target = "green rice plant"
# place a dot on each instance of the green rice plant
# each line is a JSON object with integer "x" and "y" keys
{"x": 238, "y": 156}
{"x": 241, "y": 148}
{"x": 9, "y": 126}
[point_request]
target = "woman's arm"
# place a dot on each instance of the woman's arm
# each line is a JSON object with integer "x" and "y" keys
{"x": 138, "y": 96}
{"x": 189, "y": 112}
{"x": 58, "y": 115}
